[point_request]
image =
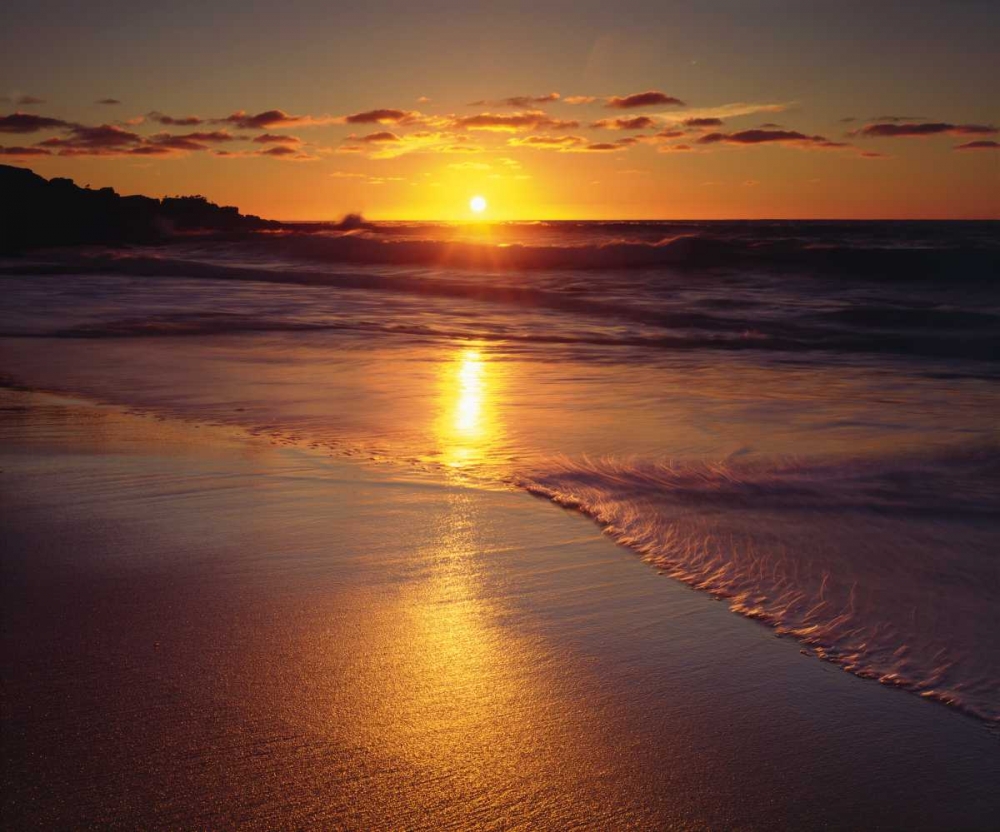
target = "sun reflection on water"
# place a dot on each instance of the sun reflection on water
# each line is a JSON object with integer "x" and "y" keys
{"x": 468, "y": 428}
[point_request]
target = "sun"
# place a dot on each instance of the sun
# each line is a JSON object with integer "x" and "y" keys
{"x": 477, "y": 204}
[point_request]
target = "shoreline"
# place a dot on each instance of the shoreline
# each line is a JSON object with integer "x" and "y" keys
{"x": 224, "y": 628}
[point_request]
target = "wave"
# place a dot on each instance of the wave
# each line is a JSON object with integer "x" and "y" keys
{"x": 602, "y": 246}
{"x": 887, "y": 568}
{"x": 648, "y": 318}
{"x": 969, "y": 261}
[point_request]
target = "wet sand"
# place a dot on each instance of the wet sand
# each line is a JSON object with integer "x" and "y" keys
{"x": 205, "y": 630}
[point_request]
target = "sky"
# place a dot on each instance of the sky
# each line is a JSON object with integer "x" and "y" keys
{"x": 311, "y": 110}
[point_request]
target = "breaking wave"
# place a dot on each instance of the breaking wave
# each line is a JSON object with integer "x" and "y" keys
{"x": 886, "y": 568}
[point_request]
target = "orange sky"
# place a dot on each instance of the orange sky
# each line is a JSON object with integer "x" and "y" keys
{"x": 650, "y": 110}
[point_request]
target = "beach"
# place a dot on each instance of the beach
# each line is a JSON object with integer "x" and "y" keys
{"x": 209, "y": 629}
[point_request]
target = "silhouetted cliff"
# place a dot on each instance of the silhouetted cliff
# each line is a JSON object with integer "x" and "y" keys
{"x": 38, "y": 212}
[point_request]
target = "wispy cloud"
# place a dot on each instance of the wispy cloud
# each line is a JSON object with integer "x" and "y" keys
{"x": 512, "y": 122}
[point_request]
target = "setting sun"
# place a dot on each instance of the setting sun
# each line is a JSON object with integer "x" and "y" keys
{"x": 477, "y": 204}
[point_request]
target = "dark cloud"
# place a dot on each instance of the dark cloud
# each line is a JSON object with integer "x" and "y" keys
{"x": 770, "y": 125}
{"x": 982, "y": 144}
{"x": 898, "y": 118}
{"x": 105, "y": 139}
{"x": 636, "y": 123}
{"x": 29, "y": 123}
{"x": 703, "y": 122}
{"x": 933, "y": 128}
{"x": 650, "y": 98}
{"x": 108, "y": 101}
{"x": 670, "y": 134}
{"x": 384, "y": 116}
{"x": 24, "y": 151}
{"x": 271, "y": 138}
{"x": 163, "y": 149}
{"x": 599, "y": 146}
{"x": 512, "y": 122}
{"x": 186, "y": 142}
{"x": 845, "y": 120}
{"x": 272, "y": 118}
{"x": 183, "y": 121}
{"x": 286, "y": 153}
{"x": 213, "y": 136}
{"x": 112, "y": 140}
{"x": 382, "y": 136}
{"x": 28, "y": 100}
{"x": 753, "y": 137}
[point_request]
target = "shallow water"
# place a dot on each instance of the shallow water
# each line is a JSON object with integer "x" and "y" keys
{"x": 800, "y": 417}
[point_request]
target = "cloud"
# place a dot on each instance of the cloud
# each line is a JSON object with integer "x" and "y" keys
{"x": 387, "y": 145}
{"x": 636, "y": 123}
{"x": 384, "y": 116}
{"x": 382, "y": 136}
{"x": 285, "y": 153}
{"x": 273, "y": 119}
{"x": 898, "y": 118}
{"x": 770, "y": 125}
{"x": 934, "y": 128}
{"x": 650, "y": 98}
{"x": 109, "y": 101}
{"x": 186, "y": 142}
{"x": 106, "y": 139}
{"x": 28, "y": 100}
{"x": 343, "y": 174}
{"x": 114, "y": 140}
{"x": 29, "y": 123}
{"x": 24, "y": 151}
{"x": 213, "y": 136}
{"x": 512, "y": 122}
{"x": 982, "y": 144}
{"x": 670, "y": 134}
{"x": 728, "y": 111}
{"x": 520, "y": 101}
{"x": 271, "y": 138}
{"x": 469, "y": 166}
{"x": 754, "y": 137}
{"x": 546, "y": 142}
{"x": 570, "y": 144}
{"x": 871, "y": 154}
{"x": 183, "y": 121}
{"x": 580, "y": 99}
{"x": 703, "y": 122}
{"x": 423, "y": 100}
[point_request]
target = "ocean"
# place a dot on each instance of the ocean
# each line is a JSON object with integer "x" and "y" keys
{"x": 799, "y": 418}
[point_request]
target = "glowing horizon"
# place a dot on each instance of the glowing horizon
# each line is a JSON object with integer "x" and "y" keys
{"x": 678, "y": 113}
